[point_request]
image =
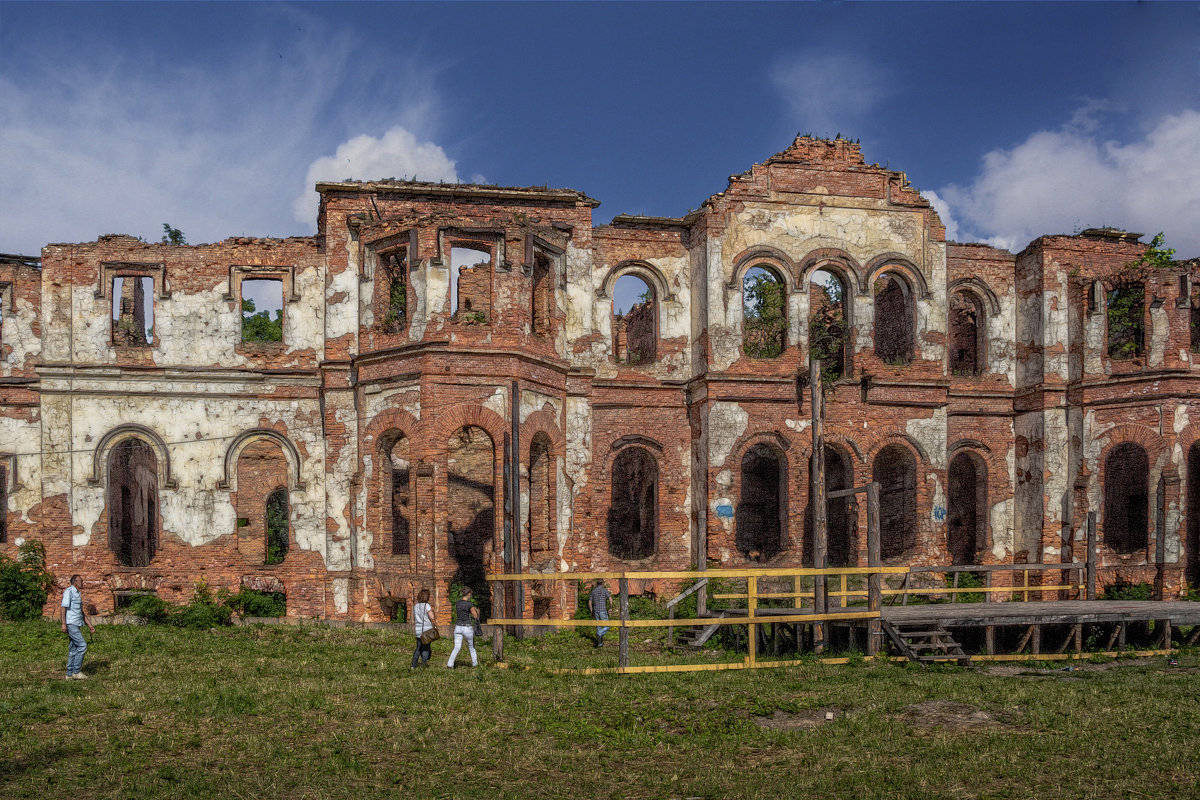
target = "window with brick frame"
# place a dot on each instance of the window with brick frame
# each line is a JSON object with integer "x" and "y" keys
{"x": 392, "y": 290}
{"x": 1127, "y": 499}
{"x": 895, "y": 470}
{"x": 764, "y": 313}
{"x": 840, "y": 514}
{"x": 967, "y": 340}
{"x": 894, "y": 319}
{"x": 542, "y": 299}
{"x": 1126, "y": 312}
{"x": 471, "y": 282}
{"x": 762, "y": 511}
{"x": 262, "y": 310}
{"x": 634, "y": 321}
{"x": 966, "y": 521}
{"x": 398, "y": 481}
{"x": 541, "y": 498}
{"x": 829, "y": 326}
{"x": 133, "y": 502}
{"x": 471, "y": 504}
{"x": 133, "y": 310}
{"x": 633, "y": 509}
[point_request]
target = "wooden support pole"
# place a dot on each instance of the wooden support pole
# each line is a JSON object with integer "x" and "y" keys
{"x": 1160, "y": 542}
{"x": 497, "y": 630}
{"x": 1122, "y": 634}
{"x": 874, "y": 561}
{"x": 1091, "y": 555}
{"x": 624, "y": 637}
{"x": 751, "y": 629}
{"x": 816, "y": 498}
{"x": 1037, "y": 640}
{"x": 989, "y": 639}
{"x": 1078, "y": 638}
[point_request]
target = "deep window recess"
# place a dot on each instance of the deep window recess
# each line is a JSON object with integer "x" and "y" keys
{"x": 543, "y": 295}
{"x": 1126, "y": 319}
{"x": 133, "y": 311}
{"x": 471, "y": 284}
{"x": 3, "y": 503}
{"x": 762, "y": 511}
{"x": 262, "y": 310}
{"x": 400, "y": 484}
{"x": 133, "y": 502}
{"x": 1127, "y": 498}
{"x": 840, "y": 521}
{"x": 827, "y": 327}
{"x": 895, "y": 470}
{"x": 967, "y": 518}
{"x": 966, "y": 334}
{"x": 395, "y": 288}
{"x": 1194, "y": 316}
{"x": 764, "y": 314}
{"x": 634, "y": 321}
{"x": 541, "y": 514}
{"x": 633, "y": 510}
{"x": 278, "y": 526}
{"x": 893, "y": 320}
{"x": 1192, "y": 543}
{"x": 471, "y": 507}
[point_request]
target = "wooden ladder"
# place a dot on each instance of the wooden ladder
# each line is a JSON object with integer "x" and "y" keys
{"x": 925, "y": 643}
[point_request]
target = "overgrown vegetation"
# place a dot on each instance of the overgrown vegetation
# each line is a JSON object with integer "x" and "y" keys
{"x": 305, "y": 711}
{"x": 255, "y": 603}
{"x": 205, "y": 610}
{"x": 1129, "y": 591}
{"x": 827, "y": 330}
{"x": 258, "y": 326}
{"x": 396, "y": 312}
{"x": 277, "y": 526}
{"x": 765, "y": 317}
{"x": 24, "y": 583}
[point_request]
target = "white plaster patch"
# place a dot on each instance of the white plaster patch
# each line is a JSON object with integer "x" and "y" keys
{"x": 341, "y": 595}
{"x": 1160, "y": 330}
{"x": 498, "y": 402}
{"x": 724, "y": 479}
{"x": 1001, "y": 519}
{"x": 532, "y": 402}
{"x": 798, "y": 425}
{"x": 931, "y": 434}
{"x": 16, "y": 331}
{"x": 726, "y": 424}
{"x": 1181, "y": 419}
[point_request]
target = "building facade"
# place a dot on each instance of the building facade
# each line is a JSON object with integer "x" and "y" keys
{"x": 455, "y": 379}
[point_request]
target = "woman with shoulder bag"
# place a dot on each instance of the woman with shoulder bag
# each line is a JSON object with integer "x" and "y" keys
{"x": 424, "y": 629}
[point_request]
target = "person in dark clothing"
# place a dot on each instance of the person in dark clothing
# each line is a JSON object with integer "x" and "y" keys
{"x": 598, "y": 604}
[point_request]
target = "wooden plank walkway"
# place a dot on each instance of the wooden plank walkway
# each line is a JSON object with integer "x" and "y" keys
{"x": 1050, "y": 612}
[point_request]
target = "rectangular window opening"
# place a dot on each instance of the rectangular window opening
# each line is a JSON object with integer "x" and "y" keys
{"x": 395, "y": 290}
{"x": 262, "y": 310}
{"x": 471, "y": 284}
{"x": 133, "y": 311}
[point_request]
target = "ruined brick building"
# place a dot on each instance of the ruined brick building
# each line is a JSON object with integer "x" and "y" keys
{"x": 449, "y": 390}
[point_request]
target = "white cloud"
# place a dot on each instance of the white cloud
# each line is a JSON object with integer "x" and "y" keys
{"x": 101, "y": 139}
{"x": 829, "y": 91}
{"x": 396, "y": 154}
{"x": 1062, "y": 180}
{"x": 943, "y": 211}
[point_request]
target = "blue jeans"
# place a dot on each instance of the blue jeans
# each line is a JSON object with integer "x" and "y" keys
{"x": 601, "y": 613}
{"x": 75, "y": 650}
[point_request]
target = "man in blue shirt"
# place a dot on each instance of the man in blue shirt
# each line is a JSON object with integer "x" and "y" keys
{"x": 73, "y": 618}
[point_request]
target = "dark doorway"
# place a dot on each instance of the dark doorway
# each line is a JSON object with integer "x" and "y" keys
{"x": 761, "y": 513}
{"x": 967, "y": 518}
{"x": 471, "y": 507}
{"x": 1126, "y": 498}
{"x": 895, "y": 470}
{"x": 1193, "y": 516}
{"x": 133, "y": 503}
{"x": 633, "y": 511}
{"x": 840, "y": 522}
{"x": 966, "y": 341}
{"x": 893, "y": 320}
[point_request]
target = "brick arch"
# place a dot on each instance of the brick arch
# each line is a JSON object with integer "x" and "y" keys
{"x": 543, "y": 421}
{"x": 462, "y": 415}
{"x": 1155, "y": 446}
{"x": 1189, "y": 436}
{"x": 652, "y": 275}
{"x": 767, "y": 257}
{"x": 895, "y": 262}
{"x": 245, "y": 439}
{"x": 831, "y": 259}
{"x": 876, "y": 441}
{"x": 387, "y": 420}
{"x": 987, "y": 298}
{"x": 1157, "y": 457}
{"x": 119, "y": 434}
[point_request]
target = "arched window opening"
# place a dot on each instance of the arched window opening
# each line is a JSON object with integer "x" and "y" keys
{"x": 966, "y": 335}
{"x": 1126, "y": 319}
{"x": 828, "y": 327}
{"x": 762, "y": 511}
{"x": 394, "y": 288}
{"x": 541, "y": 512}
{"x": 634, "y": 322}
{"x": 471, "y": 284}
{"x": 893, "y": 320}
{"x": 471, "y": 507}
{"x": 543, "y": 295}
{"x": 967, "y": 513}
{"x": 895, "y": 470}
{"x": 1127, "y": 498}
{"x": 764, "y": 314}
{"x": 1192, "y": 543}
{"x": 278, "y": 526}
{"x": 400, "y": 484}
{"x": 633, "y": 511}
{"x": 262, "y": 522}
{"x": 133, "y": 502}
{"x": 841, "y": 547}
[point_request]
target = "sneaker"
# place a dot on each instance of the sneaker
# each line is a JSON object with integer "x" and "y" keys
{"x": 79, "y": 676}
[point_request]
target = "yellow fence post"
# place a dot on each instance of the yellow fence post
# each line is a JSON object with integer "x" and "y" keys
{"x": 751, "y": 628}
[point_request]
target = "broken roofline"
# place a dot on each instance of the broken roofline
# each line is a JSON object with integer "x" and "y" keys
{"x": 471, "y": 190}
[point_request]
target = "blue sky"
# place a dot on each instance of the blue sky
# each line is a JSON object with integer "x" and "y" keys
{"x": 1015, "y": 119}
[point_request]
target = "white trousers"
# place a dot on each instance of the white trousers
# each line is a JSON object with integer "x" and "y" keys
{"x": 463, "y": 632}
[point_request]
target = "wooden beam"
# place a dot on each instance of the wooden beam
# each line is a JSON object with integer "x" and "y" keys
{"x": 816, "y": 497}
{"x": 874, "y": 561}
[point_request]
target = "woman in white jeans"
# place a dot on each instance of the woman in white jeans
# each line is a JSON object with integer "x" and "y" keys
{"x": 466, "y": 617}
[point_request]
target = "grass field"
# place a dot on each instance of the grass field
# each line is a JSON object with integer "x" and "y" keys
{"x": 314, "y": 712}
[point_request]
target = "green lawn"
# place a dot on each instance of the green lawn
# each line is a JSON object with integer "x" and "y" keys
{"x": 314, "y": 712}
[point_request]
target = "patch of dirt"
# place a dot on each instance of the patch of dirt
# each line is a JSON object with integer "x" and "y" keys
{"x": 1023, "y": 670}
{"x": 953, "y": 716}
{"x": 799, "y": 721}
